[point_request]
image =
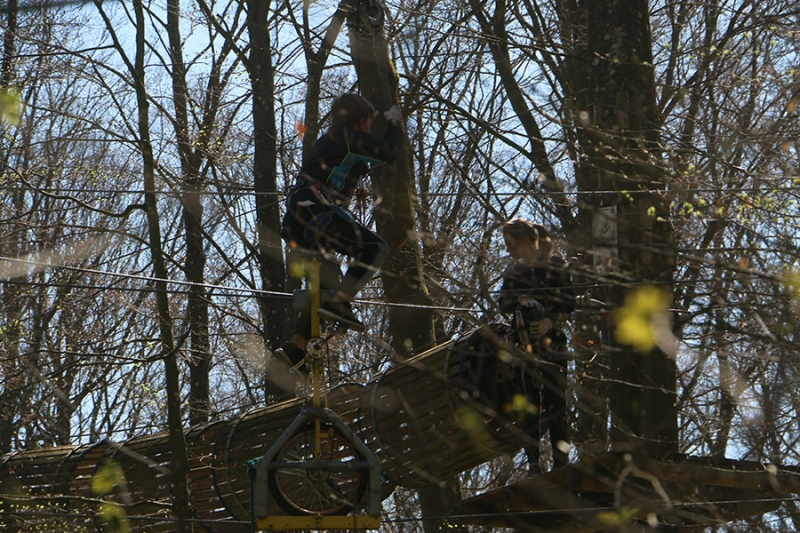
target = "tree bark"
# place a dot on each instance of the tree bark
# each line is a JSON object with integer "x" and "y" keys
{"x": 316, "y": 62}
{"x": 412, "y": 324}
{"x": 393, "y": 187}
{"x": 179, "y": 470}
{"x": 276, "y": 313}
{"x": 10, "y": 396}
{"x": 619, "y": 135}
{"x": 198, "y": 298}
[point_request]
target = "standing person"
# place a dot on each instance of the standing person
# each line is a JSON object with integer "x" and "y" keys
{"x": 537, "y": 292}
{"x": 317, "y": 219}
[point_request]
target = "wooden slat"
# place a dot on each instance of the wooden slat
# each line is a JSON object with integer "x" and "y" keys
{"x": 687, "y": 491}
{"x": 203, "y": 446}
{"x": 414, "y": 423}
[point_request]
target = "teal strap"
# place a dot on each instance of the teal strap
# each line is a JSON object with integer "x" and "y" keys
{"x": 338, "y": 175}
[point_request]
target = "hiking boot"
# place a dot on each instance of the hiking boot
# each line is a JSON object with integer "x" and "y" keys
{"x": 341, "y": 312}
{"x": 293, "y": 357}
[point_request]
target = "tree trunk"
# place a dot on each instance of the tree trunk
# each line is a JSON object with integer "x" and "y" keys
{"x": 179, "y": 467}
{"x": 198, "y": 298}
{"x": 316, "y": 62}
{"x": 619, "y": 137}
{"x": 12, "y": 302}
{"x": 393, "y": 187}
{"x": 276, "y": 313}
{"x": 411, "y": 327}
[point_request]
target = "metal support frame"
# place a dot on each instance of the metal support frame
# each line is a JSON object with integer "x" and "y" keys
{"x": 264, "y": 519}
{"x": 263, "y": 514}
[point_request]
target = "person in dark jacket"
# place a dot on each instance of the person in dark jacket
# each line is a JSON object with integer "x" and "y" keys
{"x": 318, "y": 221}
{"x": 537, "y": 293}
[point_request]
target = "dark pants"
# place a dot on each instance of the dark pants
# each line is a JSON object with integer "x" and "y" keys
{"x": 553, "y": 368}
{"x": 554, "y": 401}
{"x": 320, "y": 228}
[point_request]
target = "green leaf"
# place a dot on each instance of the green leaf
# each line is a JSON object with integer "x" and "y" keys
{"x": 636, "y": 321}
{"x": 114, "y": 515}
{"x": 618, "y": 518}
{"x": 11, "y": 106}
{"x": 106, "y": 478}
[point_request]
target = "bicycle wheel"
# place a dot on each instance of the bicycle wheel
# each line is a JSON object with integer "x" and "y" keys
{"x": 299, "y": 490}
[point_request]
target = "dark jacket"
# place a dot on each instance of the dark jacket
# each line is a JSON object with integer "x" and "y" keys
{"x": 342, "y": 156}
{"x": 549, "y": 284}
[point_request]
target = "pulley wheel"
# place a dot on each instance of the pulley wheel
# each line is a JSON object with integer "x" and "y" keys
{"x": 324, "y": 490}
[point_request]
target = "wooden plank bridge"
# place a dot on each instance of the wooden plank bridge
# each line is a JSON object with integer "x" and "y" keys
{"x": 426, "y": 419}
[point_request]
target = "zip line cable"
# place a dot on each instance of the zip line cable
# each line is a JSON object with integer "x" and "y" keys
{"x": 226, "y": 290}
{"x": 253, "y": 291}
{"x": 244, "y": 191}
